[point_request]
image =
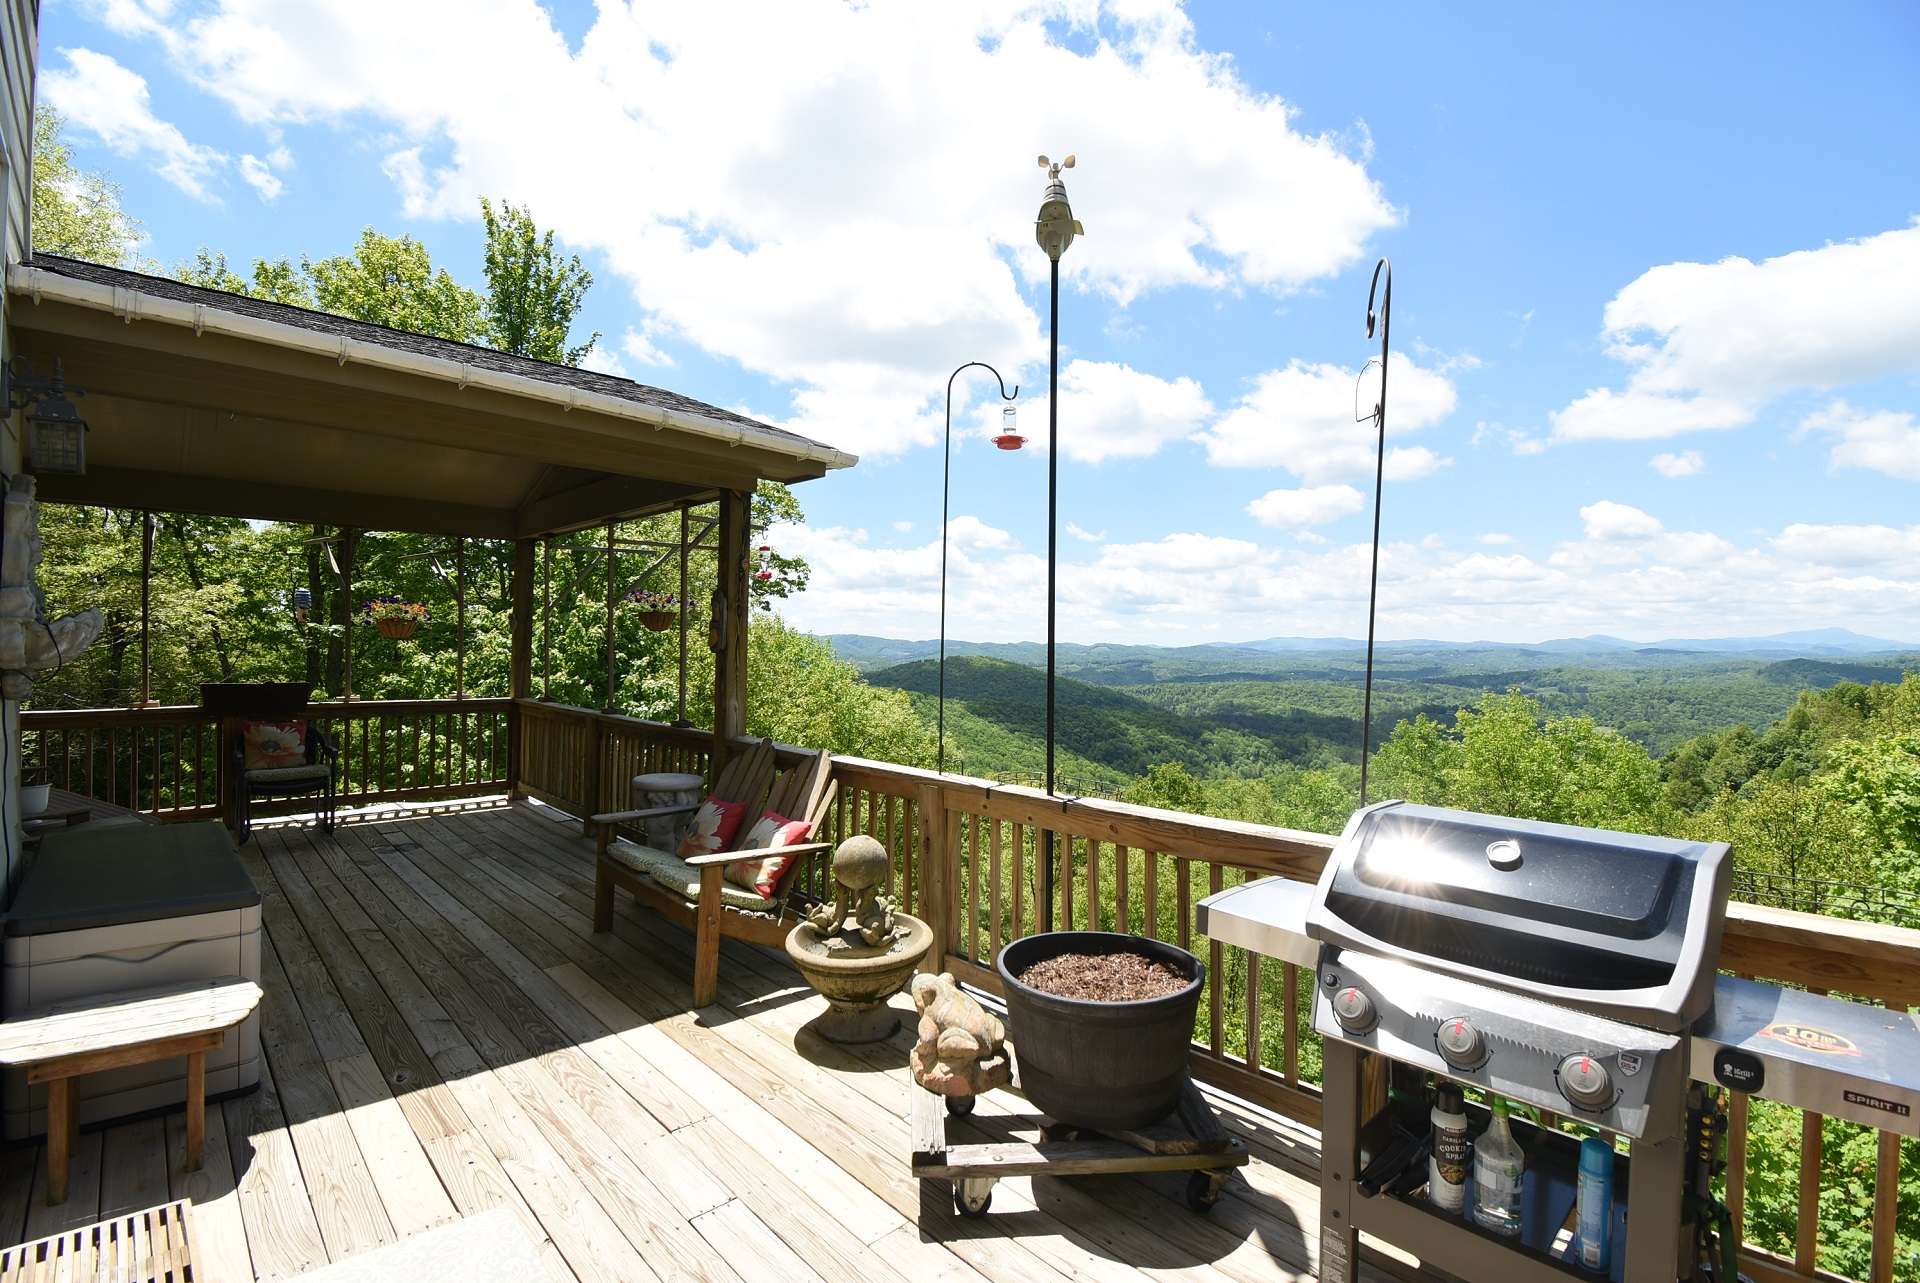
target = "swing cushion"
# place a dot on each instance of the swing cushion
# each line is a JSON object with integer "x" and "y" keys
{"x": 666, "y": 870}
{"x": 273, "y": 745}
{"x": 762, "y": 874}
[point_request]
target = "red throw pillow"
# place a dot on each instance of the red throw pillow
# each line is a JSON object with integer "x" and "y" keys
{"x": 274, "y": 744}
{"x": 762, "y": 876}
{"x": 714, "y": 825}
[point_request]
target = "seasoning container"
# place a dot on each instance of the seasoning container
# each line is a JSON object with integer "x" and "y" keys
{"x": 1594, "y": 1198}
{"x": 1498, "y": 1167}
{"x": 1449, "y": 1152}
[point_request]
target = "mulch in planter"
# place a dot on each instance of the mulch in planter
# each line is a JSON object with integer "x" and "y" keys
{"x": 1104, "y": 977}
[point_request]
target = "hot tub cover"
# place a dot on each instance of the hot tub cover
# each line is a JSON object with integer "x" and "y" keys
{"x": 110, "y": 874}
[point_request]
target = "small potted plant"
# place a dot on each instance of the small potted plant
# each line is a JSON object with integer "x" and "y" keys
{"x": 657, "y": 609}
{"x": 395, "y": 617}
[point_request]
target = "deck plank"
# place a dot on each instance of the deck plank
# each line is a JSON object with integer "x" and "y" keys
{"x": 219, "y": 1229}
{"x": 283, "y": 1230}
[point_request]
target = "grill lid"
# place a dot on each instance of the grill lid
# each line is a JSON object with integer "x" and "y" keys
{"x": 1616, "y": 923}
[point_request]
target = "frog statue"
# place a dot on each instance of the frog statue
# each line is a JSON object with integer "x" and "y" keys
{"x": 959, "y": 1050}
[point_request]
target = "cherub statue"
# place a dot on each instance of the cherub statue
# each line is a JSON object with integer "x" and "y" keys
{"x": 959, "y": 1050}
{"x": 859, "y": 871}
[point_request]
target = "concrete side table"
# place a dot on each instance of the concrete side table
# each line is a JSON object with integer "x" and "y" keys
{"x": 667, "y": 788}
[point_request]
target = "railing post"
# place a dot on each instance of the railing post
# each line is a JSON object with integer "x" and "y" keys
{"x": 938, "y": 853}
{"x": 596, "y": 748}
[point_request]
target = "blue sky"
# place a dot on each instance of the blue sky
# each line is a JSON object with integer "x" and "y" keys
{"x": 813, "y": 213}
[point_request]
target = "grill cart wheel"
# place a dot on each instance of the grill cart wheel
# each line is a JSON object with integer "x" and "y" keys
{"x": 973, "y": 1195}
{"x": 1203, "y": 1190}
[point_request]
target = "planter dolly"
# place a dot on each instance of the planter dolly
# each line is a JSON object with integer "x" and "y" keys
{"x": 1191, "y": 1140}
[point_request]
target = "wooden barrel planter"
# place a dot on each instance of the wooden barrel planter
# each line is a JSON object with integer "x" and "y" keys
{"x": 397, "y": 628}
{"x": 1100, "y": 1065}
{"x": 658, "y": 621}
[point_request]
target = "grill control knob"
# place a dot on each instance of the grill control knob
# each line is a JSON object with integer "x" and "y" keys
{"x": 1354, "y": 1010}
{"x": 1584, "y": 1082}
{"x": 1461, "y": 1044}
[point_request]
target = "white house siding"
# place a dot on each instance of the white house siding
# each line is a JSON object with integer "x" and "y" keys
{"x": 19, "y": 49}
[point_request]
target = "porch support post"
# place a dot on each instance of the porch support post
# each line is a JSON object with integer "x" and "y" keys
{"x": 349, "y": 544}
{"x": 730, "y": 614}
{"x": 146, "y": 609}
{"x": 520, "y": 675}
{"x": 612, "y": 561}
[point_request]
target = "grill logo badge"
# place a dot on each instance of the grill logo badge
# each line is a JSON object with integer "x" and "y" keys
{"x": 1808, "y": 1038}
{"x": 1877, "y": 1102}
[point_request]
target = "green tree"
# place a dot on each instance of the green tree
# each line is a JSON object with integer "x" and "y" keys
{"x": 533, "y": 293}
{"x": 276, "y": 280}
{"x": 391, "y": 281}
{"x": 76, "y": 212}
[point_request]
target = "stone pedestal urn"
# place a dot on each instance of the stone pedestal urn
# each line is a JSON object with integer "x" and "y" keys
{"x": 859, "y": 950}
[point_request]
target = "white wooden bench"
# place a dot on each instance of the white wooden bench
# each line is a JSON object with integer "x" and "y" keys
{"x": 137, "y": 1027}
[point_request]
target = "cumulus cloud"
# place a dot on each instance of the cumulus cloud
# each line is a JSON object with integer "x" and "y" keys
{"x": 1609, "y": 520}
{"x": 97, "y": 94}
{"x": 1707, "y": 344}
{"x": 1625, "y": 574}
{"x": 1301, "y": 418}
{"x": 842, "y": 202}
{"x": 1496, "y": 538}
{"x": 1077, "y": 531}
{"x": 259, "y": 175}
{"x": 1685, "y": 463}
{"x": 1308, "y": 506}
{"x": 1109, "y": 411}
{"x": 1880, "y": 441}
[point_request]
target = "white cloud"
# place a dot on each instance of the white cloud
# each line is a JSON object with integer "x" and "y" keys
{"x": 1496, "y": 539}
{"x": 1108, "y": 411}
{"x": 95, "y": 93}
{"x": 1609, "y": 520}
{"x": 1639, "y": 415}
{"x": 1627, "y": 575}
{"x": 903, "y": 527}
{"x": 842, "y": 202}
{"x": 604, "y": 360}
{"x": 1881, "y": 441}
{"x": 1301, "y": 418}
{"x": 641, "y": 348}
{"x": 1309, "y": 506}
{"x": 1709, "y": 343}
{"x": 259, "y": 175}
{"x": 1686, "y": 463}
{"x": 1077, "y": 531}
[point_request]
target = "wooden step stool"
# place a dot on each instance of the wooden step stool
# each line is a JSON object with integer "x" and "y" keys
{"x": 137, "y": 1027}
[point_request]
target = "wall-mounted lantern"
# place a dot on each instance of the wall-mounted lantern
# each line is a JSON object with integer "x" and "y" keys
{"x": 56, "y": 434}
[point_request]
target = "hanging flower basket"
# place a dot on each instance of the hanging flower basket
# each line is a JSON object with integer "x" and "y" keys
{"x": 395, "y": 617}
{"x": 398, "y": 629}
{"x": 658, "y": 610}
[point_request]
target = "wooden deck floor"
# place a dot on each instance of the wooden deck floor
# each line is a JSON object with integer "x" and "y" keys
{"x": 444, "y": 1034}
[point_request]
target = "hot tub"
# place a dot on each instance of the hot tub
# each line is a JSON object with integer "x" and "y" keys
{"x": 107, "y": 908}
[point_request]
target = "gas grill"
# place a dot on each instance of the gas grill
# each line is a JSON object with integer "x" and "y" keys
{"x": 1571, "y": 969}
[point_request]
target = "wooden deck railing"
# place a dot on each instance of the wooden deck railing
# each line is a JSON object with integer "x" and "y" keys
{"x": 165, "y": 761}
{"x": 969, "y": 856}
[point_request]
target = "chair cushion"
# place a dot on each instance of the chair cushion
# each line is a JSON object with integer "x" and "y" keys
{"x": 762, "y": 874}
{"x": 317, "y": 772}
{"x": 670, "y": 872}
{"x": 270, "y": 745}
{"x": 715, "y": 825}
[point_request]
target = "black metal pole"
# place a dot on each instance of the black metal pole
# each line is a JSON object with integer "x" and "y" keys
{"x": 1053, "y": 534}
{"x": 1379, "y": 483}
{"x": 946, "y": 474}
{"x": 680, "y": 719}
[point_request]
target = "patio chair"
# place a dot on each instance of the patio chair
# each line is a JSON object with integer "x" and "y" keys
{"x": 696, "y": 893}
{"x": 315, "y": 771}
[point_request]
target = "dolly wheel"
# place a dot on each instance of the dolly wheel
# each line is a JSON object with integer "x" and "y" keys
{"x": 972, "y": 1196}
{"x": 959, "y": 1106}
{"x": 1203, "y": 1190}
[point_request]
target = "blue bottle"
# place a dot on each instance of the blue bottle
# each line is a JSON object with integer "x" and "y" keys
{"x": 1594, "y": 1198}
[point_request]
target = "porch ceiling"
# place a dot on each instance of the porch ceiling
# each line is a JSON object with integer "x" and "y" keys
{"x": 202, "y": 402}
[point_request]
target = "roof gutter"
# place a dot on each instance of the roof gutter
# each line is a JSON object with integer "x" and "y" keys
{"x": 135, "y": 305}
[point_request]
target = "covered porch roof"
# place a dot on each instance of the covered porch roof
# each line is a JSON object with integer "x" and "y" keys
{"x": 208, "y": 402}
